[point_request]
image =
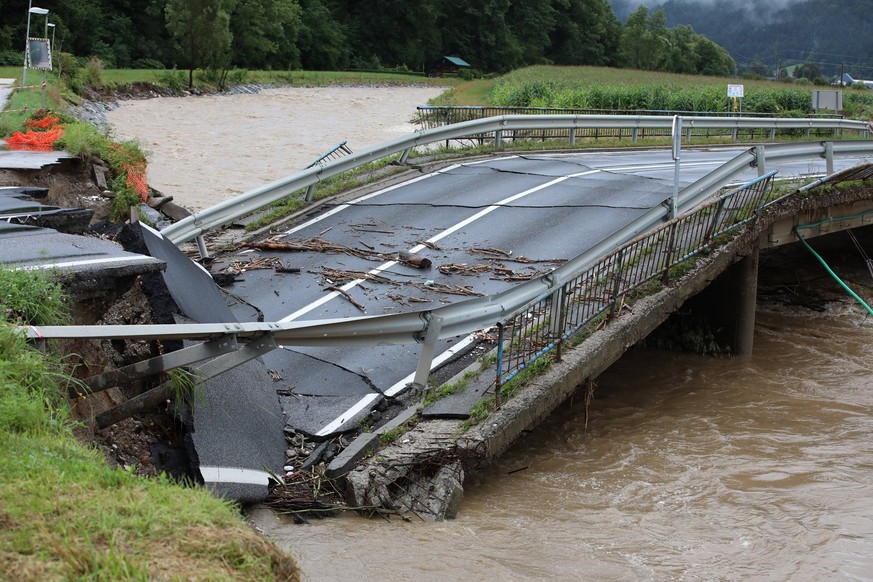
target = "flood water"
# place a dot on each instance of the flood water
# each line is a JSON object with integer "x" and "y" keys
{"x": 691, "y": 467}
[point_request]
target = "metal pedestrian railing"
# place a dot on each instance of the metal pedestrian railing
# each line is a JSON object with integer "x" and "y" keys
{"x": 431, "y": 117}
{"x": 598, "y": 293}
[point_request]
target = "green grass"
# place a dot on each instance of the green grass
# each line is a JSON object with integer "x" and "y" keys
{"x": 66, "y": 515}
{"x": 623, "y": 89}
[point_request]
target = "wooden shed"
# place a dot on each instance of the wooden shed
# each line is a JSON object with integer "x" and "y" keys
{"x": 447, "y": 66}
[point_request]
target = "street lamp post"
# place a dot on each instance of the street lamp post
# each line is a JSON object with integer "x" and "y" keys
{"x": 52, "y": 26}
{"x": 31, "y": 9}
{"x": 44, "y": 72}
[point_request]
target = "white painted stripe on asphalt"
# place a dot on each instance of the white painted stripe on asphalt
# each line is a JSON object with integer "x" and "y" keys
{"x": 347, "y": 415}
{"x": 436, "y": 362}
{"x": 433, "y": 239}
{"x": 393, "y": 390}
{"x": 342, "y": 207}
{"x": 121, "y": 260}
{"x": 213, "y": 474}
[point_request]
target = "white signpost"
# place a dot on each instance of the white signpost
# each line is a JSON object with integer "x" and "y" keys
{"x": 736, "y": 92}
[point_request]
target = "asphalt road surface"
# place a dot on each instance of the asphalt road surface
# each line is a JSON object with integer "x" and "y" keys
{"x": 523, "y": 214}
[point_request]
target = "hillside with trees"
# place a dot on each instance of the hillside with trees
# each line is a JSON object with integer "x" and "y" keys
{"x": 768, "y": 39}
{"x": 491, "y": 35}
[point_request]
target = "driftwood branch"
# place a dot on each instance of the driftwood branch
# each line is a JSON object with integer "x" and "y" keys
{"x": 346, "y": 294}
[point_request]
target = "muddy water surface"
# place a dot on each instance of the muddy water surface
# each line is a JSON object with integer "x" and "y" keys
{"x": 691, "y": 468}
{"x": 204, "y": 150}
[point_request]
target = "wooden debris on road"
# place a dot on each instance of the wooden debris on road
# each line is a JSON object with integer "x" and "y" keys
{"x": 340, "y": 276}
{"x": 414, "y": 260}
{"x": 346, "y": 294}
{"x": 316, "y": 245}
{"x": 447, "y": 289}
{"x": 462, "y": 269}
{"x": 490, "y": 251}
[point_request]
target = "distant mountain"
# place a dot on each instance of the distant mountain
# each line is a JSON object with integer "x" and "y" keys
{"x": 779, "y": 33}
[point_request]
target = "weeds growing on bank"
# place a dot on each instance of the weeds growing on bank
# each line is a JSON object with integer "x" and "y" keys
{"x": 65, "y": 513}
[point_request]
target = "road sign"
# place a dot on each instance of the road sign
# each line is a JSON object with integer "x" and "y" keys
{"x": 735, "y": 91}
{"x": 39, "y": 54}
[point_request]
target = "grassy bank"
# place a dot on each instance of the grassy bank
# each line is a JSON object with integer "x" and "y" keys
{"x": 65, "y": 514}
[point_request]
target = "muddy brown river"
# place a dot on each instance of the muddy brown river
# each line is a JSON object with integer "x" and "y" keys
{"x": 691, "y": 467}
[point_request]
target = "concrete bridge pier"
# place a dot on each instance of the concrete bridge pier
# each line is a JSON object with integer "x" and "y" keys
{"x": 730, "y": 304}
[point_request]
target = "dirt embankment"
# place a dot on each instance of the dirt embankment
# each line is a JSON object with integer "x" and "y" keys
{"x": 129, "y": 300}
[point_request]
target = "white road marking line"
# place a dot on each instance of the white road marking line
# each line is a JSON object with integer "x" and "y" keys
{"x": 212, "y": 474}
{"x": 347, "y": 415}
{"x": 438, "y": 237}
{"x": 122, "y": 260}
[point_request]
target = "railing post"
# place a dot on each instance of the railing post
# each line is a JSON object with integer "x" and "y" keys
{"x": 669, "y": 261}
{"x": 428, "y": 349}
{"x": 201, "y": 247}
{"x": 760, "y": 160}
{"x": 617, "y": 274}
{"x": 829, "y": 156}
{"x": 497, "y": 381}
{"x": 556, "y": 321}
{"x": 715, "y": 218}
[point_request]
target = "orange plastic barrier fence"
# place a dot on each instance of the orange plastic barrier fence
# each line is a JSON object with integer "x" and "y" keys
{"x": 34, "y": 140}
{"x": 136, "y": 179}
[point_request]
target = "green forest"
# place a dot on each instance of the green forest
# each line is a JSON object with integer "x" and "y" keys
{"x": 493, "y": 36}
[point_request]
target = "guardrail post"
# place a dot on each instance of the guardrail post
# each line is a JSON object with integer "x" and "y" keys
{"x": 498, "y": 138}
{"x": 829, "y": 156}
{"x": 572, "y": 136}
{"x": 634, "y": 135}
{"x": 309, "y": 191}
{"x": 405, "y": 155}
{"x": 760, "y": 160}
{"x": 772, "y": 133}
{"x": 734, "y": 134}
{"x": 428, "y": 349}
{"x": 201, "y": 247}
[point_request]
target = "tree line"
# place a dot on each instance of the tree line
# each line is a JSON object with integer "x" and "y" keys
{"x": 491, "y": 35}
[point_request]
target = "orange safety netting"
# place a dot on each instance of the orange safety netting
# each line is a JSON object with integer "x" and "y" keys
{"x": 34, "y": 140}
{"x": 43, "y": 134}
{"x": 136, "y": 179}
{"x": 44, "y": 123}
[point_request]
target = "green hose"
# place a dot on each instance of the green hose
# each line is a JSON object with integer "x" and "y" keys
{"x": 822, "y": 261}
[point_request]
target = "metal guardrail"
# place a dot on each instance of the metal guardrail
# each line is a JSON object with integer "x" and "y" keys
{"x": 464, "y": 317}
{"x": 193, "y": 227}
